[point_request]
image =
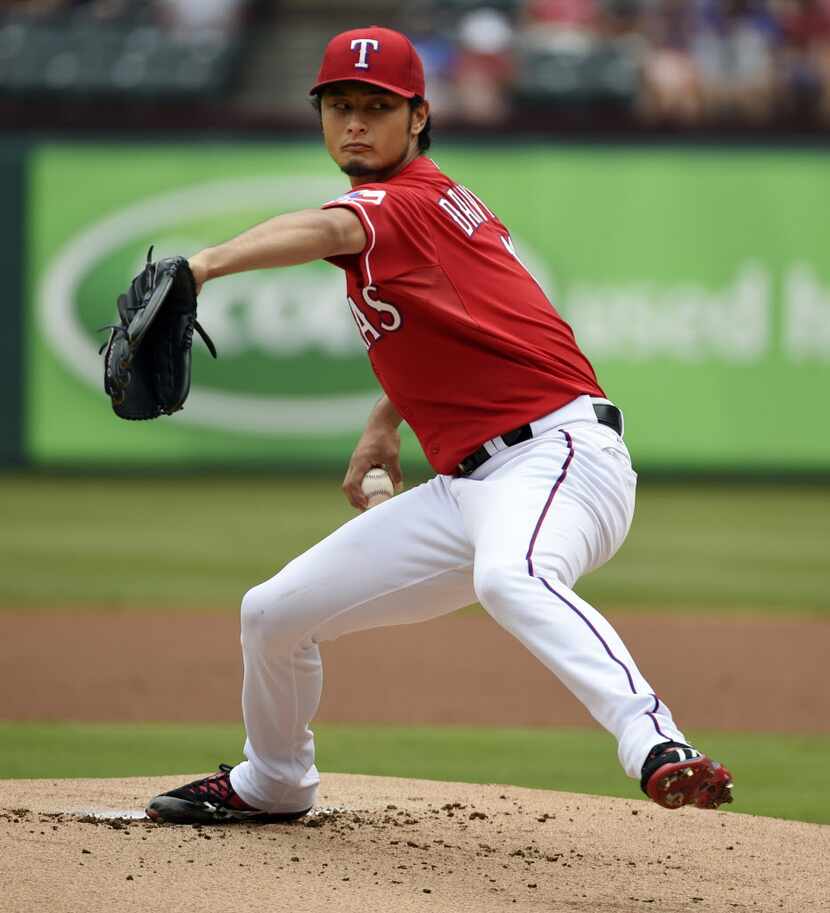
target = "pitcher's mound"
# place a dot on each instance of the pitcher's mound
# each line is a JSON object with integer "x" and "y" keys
{"x": 381, "y": 845}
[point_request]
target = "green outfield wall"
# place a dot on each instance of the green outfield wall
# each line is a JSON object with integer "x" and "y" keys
{"x": 698, "y": 281}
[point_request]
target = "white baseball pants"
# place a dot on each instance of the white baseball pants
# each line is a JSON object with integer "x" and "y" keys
{"x": 516, "y": 535}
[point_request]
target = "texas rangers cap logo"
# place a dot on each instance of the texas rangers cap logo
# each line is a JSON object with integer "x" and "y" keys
{"x": 374, "y": 55}
{"x": 363, "y": 44}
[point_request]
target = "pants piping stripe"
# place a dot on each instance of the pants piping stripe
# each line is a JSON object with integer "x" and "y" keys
{"x": 541, "y": 520}
{"x": 545, "y": 583}
{"x": 596, "y": 633}
{"x": 659, "y": 730}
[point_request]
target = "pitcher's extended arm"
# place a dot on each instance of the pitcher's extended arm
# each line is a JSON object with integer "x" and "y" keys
{"x": 286, "y": 240}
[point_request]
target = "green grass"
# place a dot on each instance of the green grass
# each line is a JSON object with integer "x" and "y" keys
{"x": 758, "y": 547}
{"x": 172, "y": 544}
{"x": 781, "y": 776}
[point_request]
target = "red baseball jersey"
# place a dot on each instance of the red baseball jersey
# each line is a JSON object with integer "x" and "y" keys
{"x": 462, "y": 339}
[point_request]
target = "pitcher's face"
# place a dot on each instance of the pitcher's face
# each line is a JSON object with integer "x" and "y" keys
{"x": 369, "y": 131}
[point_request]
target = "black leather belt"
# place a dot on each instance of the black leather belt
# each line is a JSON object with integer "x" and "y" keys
{"x": 606, "y": 415}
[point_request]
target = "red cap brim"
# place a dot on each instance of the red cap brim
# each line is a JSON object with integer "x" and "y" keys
{"x": 372, "y": 82}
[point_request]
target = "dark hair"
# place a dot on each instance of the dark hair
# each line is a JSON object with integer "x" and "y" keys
{"x": 424, "y": 138}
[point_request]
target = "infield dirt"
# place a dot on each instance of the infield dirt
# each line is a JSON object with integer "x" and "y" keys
{"x": 739, "y": 673}
{"x": 402, "y": 845}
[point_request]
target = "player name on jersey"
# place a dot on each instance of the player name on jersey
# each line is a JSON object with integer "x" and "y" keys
{"x": 465, "y": 209}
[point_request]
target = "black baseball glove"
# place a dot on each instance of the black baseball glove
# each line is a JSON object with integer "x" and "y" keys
{"x": 147, "y": 358}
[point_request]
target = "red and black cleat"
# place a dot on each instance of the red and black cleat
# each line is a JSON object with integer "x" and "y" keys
{"x": 211, "y": 800}
{"x": 675, "y": 775}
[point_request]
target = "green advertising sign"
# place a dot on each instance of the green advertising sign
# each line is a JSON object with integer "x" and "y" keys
{"x": 698, "y": 283}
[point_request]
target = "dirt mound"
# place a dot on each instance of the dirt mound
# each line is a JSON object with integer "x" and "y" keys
{"x": 381, "y": 844}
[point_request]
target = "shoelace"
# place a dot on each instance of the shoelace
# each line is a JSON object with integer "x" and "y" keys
{"x": 218, "y": 786}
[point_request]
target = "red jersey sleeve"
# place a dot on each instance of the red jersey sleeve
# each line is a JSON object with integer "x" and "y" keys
{"x": 398, "y": 236}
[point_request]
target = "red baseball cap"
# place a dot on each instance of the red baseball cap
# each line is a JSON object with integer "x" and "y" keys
{"x": 381, "y": 57}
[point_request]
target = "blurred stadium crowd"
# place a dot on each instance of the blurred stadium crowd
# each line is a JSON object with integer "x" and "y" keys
{"x": 677, "y": 64}
{"x": 131, "y": 47}
{"x": 666, "y": 60}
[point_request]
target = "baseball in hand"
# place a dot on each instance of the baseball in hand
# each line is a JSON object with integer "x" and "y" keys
{"x": 377, "y": 486}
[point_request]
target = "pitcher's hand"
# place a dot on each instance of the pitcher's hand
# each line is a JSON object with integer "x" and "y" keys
{"x": 379, "y": 445}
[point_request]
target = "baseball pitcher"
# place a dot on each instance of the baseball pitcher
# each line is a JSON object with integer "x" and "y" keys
{"x": 533, "y": 483}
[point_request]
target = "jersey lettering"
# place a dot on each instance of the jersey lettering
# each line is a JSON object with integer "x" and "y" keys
{"x": 457, "y": 217}
{"x": 367, "y": 332}
{"x": 482, "y": 210}
{"x": 383, "y": 309}
{"x": 465, "y": 209}
{"x": 390, "y": 317}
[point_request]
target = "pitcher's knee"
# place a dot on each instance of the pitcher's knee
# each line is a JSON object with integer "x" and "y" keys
{"x": 495, "y": 583}
{"x": 269, "y": 616}
{"x": 507, "y": 587}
